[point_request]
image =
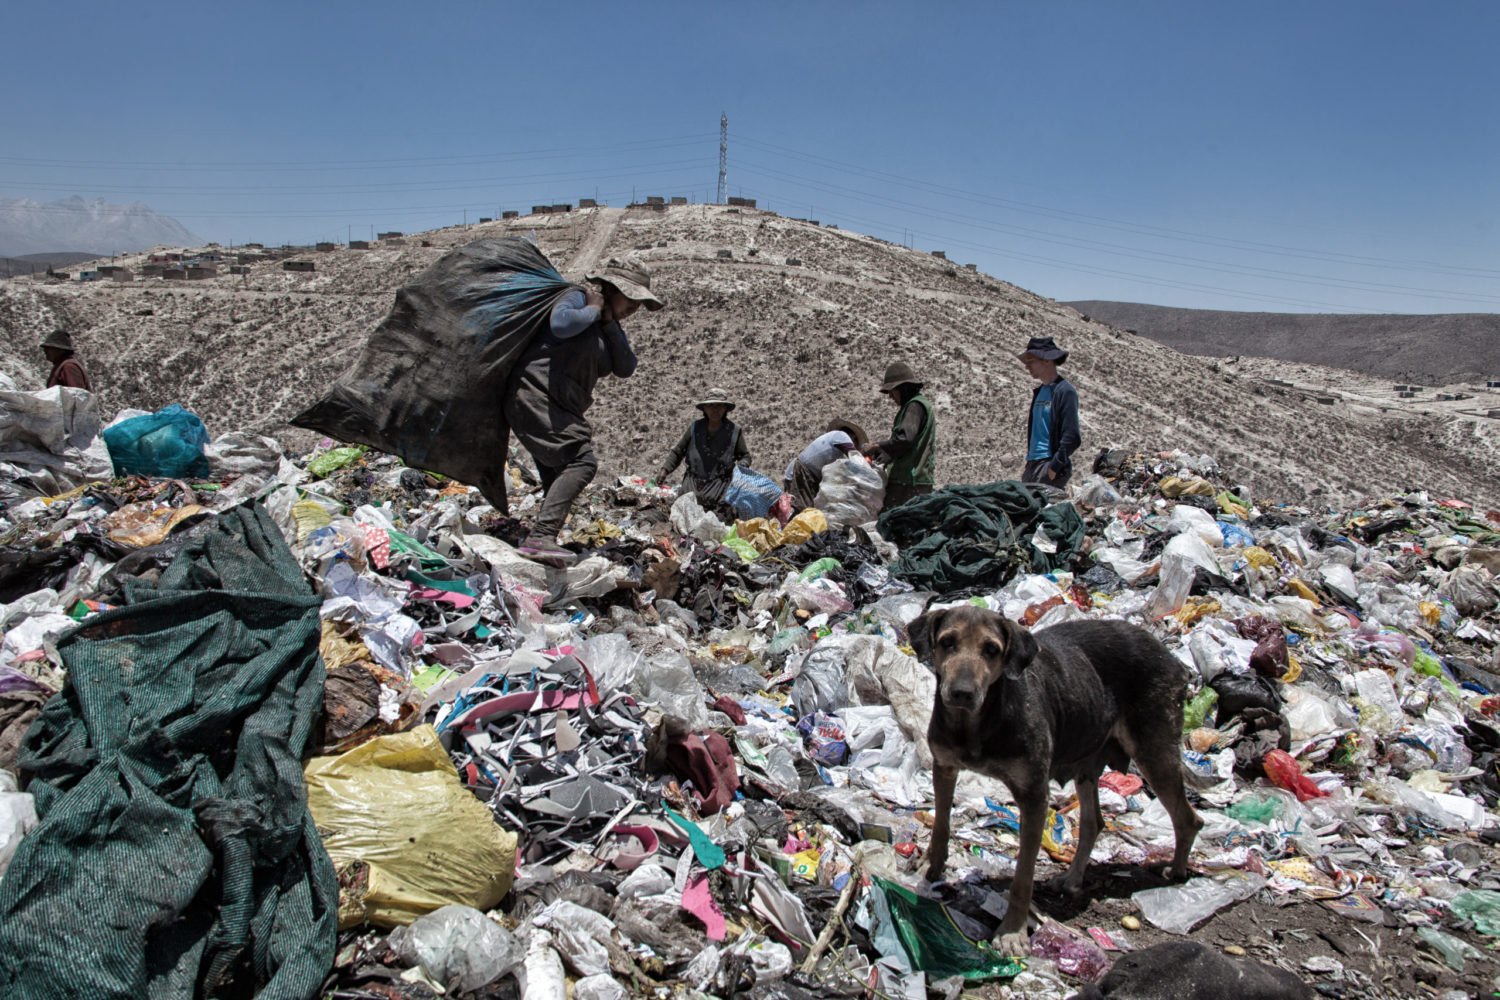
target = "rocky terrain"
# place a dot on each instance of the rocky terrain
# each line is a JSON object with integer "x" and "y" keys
{"x": 797, "y": 321}
{"x": 1431, "y": 350}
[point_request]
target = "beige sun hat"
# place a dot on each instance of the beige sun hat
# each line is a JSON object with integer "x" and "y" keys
{"x": 716, "y": 396}
{"x": 632, "y": 278}
{"x": 60, "y": 339}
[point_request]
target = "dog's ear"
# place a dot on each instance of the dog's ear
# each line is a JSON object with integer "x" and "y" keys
{"x": 920, "y": 632}
{"x": 1020, "y": 648}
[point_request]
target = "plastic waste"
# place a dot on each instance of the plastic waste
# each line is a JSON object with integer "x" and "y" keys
{"x": 852, "y": 492}
{"x": 1255, "y": 809}
{"x": 667, "y": 681}
{"x": 1472, "y": 591}
{"x": 1095, "y": 491}
{"x": 1195, "y": 710}
{"x": 396, "y": 806}
{"x": 458, "y": 946}
{"x": 1453, "y": 950}
{"x": 750, "y": 493}
{"x": 598, "y": 987}
{"x": 332, "y": 460}
{"x": 541, "y": 974}
{"x": 821, "y": 687}
{"x": 1481, "y": 907}
{"x": 1182, "y": 557}
{"x": 1176, "y": 909}
{"x": 931, "y": 941}
{"x": 1074, "y": 954}
{"x": 241, "y": 454}
{"x": 168, "y": 443}
{"x": 901, "y": 609}
{"x": 689, "y": 518}
{"x": 17, "y": 816}
{"x": 817, "y": 568}
{"x": 1196, "y": 521}
{"x": 611, "y": 659}
{"x": 821, "y": 594}
{"x": 1281, "y": 767}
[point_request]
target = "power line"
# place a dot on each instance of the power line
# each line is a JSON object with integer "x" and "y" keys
{"x": 465, "y": 159}
{"x": 1125, "y": 251}
{"x": 970, "y": 197}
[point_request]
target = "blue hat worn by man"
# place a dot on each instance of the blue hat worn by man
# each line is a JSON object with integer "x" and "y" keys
{"x": 1052, "y": 427}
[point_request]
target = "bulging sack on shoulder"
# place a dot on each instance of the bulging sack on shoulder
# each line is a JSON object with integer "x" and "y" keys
{"x": 429, "y": 385}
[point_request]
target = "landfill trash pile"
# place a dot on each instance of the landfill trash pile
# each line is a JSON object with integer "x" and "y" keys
{"x": 696, "y": 760}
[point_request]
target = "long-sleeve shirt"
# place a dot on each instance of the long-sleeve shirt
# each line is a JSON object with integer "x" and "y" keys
{"x": 68, "y": 372}
{"x": 904, "y": 437}
{"x": 1063, "y": 437}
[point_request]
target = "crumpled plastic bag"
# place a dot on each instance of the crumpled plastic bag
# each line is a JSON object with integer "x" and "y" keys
{"x": 689, "y": 518}
{"x": 404, "y": 833}
{"x": 52, "y": 438}
{"x": 1183, "y": 555}
{"x": 168, "y": 443}
{"x": 458, "y": 947}
{"x": 581, "y": 932}
{"x": 1472, "y": 590}
{"x": 1196, "y": 521}
{"x": 667, "y": 681}
{"x": 243, "y": 454}
{"x": 851, "y": 492}
{"x": 17, "y": 816}
{"x": 1176, "y": 908}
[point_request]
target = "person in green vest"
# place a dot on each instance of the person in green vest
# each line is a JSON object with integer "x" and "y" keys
{"x": 910, "y": 453}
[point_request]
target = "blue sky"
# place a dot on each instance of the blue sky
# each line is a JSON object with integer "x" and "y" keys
{"x": 1322, "y": 157}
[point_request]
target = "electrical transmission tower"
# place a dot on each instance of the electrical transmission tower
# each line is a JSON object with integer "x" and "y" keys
{"x": 723, "y": 152}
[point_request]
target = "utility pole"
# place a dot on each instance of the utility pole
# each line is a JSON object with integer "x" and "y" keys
{"x": 723, "y": 152}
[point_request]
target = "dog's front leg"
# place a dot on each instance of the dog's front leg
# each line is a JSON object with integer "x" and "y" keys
{"x": 944, "y": 777}
{"x": 1012, "y": 939}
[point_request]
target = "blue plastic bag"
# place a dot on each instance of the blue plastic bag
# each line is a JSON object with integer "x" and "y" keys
{"x": 750, "y": 493}
{"x": 168, "y": 443}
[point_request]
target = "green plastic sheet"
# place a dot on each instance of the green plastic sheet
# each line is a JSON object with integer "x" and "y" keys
{"x": 175, "y": 856}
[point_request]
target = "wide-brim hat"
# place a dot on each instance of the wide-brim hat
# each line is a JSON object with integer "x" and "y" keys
{"x": 856, "y": 433}
{"x": 60, "y": 339}
{"x": 1044, "y": 349}
{"x": 632, "y": 278}
{"x": 716, "y": 397}
{"x": 899, "y": 374}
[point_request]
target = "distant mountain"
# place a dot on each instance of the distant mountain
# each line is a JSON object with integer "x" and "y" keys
{"x": 1433, "y": 350}
{"x": 94, "y": 227}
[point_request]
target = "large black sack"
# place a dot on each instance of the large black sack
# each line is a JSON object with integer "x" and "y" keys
{"x": 429, "y": 385}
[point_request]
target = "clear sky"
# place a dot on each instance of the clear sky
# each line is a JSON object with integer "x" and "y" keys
{"x": 1337, "y": 156}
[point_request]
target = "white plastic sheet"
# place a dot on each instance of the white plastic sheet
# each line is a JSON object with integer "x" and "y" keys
{"x": 51, "y": 439}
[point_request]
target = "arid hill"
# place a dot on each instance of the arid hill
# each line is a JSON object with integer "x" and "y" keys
{"x": 1430, "y": 350}
{"x": 797, "y": 321}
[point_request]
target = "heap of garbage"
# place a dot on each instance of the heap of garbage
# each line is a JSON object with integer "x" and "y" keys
{"x": 318, "y": 726}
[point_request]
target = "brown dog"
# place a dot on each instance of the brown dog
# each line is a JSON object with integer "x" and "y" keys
{"x": 1030, "y": 709}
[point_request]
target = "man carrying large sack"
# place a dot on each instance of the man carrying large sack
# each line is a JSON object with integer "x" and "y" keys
{"x": 552, "y": 386}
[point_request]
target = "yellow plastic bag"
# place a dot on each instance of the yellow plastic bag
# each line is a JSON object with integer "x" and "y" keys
{"x": 140, "y": 525}
{"x": 764, "y": 534}
{"x": 405, "y": 836}
{"x": 802, "y": 527}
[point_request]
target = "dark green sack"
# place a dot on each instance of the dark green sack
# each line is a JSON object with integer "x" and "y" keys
{"x": 978, "y": 536}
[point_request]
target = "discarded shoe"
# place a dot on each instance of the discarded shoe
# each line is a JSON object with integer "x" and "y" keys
{"x": 545, "y": 551}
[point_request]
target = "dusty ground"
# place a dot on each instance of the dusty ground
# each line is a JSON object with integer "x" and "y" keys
{"x": 796, "y": 321}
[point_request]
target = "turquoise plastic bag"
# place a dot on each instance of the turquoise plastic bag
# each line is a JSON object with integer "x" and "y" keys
{"x": 168, "y": 443}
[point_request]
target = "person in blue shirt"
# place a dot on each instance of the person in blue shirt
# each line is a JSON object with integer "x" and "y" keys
{"x": 1052, "y": 427}
{"x": 552, "y": 387}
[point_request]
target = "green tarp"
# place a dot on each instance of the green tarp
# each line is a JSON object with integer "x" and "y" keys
{"x": 978, "y": 536}
{"x": 175, "y": 856}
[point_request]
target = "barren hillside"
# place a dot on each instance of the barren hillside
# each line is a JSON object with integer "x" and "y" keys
{"x": 1432, "y": 350}
{"x": 797, "y": 321}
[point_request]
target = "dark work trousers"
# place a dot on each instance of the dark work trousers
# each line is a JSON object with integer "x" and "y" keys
{"x": 561, "y": 485}
{"x": 1036, "y": 472}
{"x": 897, "y": 494}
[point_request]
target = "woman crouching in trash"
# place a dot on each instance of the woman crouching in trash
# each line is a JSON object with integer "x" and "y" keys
{"x": 712, "y": 445}
{"x": 552, "y": 386}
